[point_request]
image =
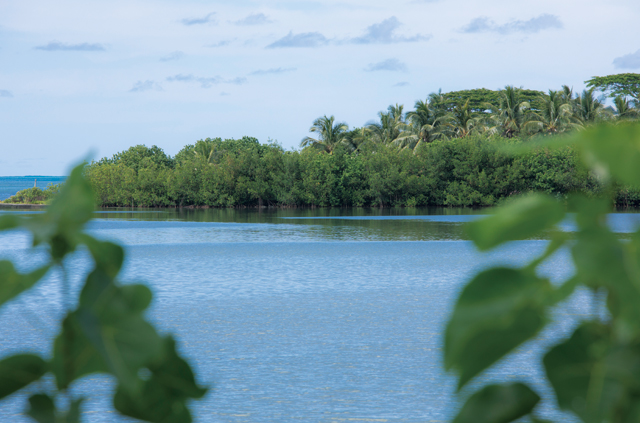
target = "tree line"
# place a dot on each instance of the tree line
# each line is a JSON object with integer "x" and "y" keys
{"x": 470, "y": 171}
{"x": 448, "y": 151}
{"x": 508, "y": 112}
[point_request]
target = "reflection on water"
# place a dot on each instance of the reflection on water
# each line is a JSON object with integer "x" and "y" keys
{"x": 298, "y": 315}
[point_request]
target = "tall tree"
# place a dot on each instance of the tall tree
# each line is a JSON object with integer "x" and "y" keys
{"x": 512, "y": 113}
{"x": 424, "y": 124}
{"x": 566, "y": 94}
{"x": 356, "y": 139}
{"x": 390, "y": 126}
{"x": 330, "y": 134}
{"x": 463, "y": 121}
{"x": 555, "y": 115}
{"x": 623, "y": 84}
{"x": 624, "y": 110}
{"x": 206, "y": 150}
{"x": 588, "y": 109}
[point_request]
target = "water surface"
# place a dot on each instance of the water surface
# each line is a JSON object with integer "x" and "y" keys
{"x": 312, "y": 315}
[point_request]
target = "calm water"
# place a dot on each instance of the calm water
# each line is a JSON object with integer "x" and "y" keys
{"x": 9, "y": 185}
{"x": 318, "y": 316}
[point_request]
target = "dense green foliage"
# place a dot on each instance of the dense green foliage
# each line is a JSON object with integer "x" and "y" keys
{"x": 448, "y": 151}
{"x": 593, "y": 371}
{"x": 34, "y": 195}
{"x": 106, "y": 332}
{"x": 479, "y": 98}
{"x": 470, "y": 171}
{"x": 623, "y": 84}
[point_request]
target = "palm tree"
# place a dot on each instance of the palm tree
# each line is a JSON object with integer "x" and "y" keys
{"x": 390, "y": 126}
{"x": 206, "y": 150}
{"x": 512, "y": 113}
{"x": 588, "y": 109}
{"x": 463, "y": 121}
{"x": 397, "y": 112}
{"x": 624, "y": 110}
{"x": 330, "y": 134}
{"x": 437, "y": 102}
{"x": 555, "y": 115}
{"x": 356, "y": 139}
{"x": 423, "y": 125}
{"x": 566, "y": 94}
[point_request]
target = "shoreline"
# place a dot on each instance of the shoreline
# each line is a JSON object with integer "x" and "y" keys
{"x": 21, "y": 205}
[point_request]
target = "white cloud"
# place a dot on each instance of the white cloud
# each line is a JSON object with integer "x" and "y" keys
{"x": 393, "y": 65}
{"x": 272, "y": 71}
{"x": 531, "y": 26}
{"x": 208, "y": 19}
{"x": 58, "y": 46}
{"x": 254, "y": 19}
{"x": 176, "y": 55}
{"x": 206, "y": 82}
{"x": 384, "y": 33}
{"x": 307, "y": 39}
{"x": 147, "y": 85}
{"x": 628, "y": 61}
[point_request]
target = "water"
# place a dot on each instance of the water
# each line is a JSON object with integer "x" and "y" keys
{"x": 9, "y": 185}
{"x": 314, "y": 315}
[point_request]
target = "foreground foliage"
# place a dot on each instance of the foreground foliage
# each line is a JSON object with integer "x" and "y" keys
{"x": 105, "y": 333}
{"x": 595, "y": 372}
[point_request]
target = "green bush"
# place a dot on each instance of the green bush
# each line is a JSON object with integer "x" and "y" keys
{"x": 35, "y": 195}
{"x": 473, "y": 171}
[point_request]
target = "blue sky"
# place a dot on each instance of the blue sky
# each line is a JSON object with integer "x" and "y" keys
{"x": 89, "y": 78}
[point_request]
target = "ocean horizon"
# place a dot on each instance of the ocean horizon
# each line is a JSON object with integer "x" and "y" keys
{"x": 10, "y": 185}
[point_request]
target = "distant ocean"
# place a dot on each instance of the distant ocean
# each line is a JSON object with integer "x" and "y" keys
{"x": 9, "y": 185}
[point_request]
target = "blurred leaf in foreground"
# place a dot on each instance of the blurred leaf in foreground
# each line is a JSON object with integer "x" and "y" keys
{"x": 498, "y": 404}
{"x": 519, "y": 219}
{"x": 497, "y": 311}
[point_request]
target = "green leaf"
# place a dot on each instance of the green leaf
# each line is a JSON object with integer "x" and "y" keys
{"x": 163, "y": 397}
{"x": 107, "y": 333}
{"x": 577, "y": 371}
{"x": 613, "y": 150}
{"x": 74, "y": 355}
{"x": 18, "y": 371}
{"x": 110, "y": 301}
{"x": 498, "y": 310}
{"x": 498, "y": 404}
{"x": 63, "y": 220}
{"x": 125, "y": 345}
{"x": 151, "y": 406}
{"x": 42, "y": 408}
{"x": 175, "y": 374}
{"x": 107, "y": 255}
{"x": 74, "y": 414}
{"x": 519, "y": 219}
{"x": 602, "y": 260}
{"x": 110, "y": 317}
{"x": 13, "y": 283}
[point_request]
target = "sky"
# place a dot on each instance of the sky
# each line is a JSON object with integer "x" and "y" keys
{"x": 84, "y": 79}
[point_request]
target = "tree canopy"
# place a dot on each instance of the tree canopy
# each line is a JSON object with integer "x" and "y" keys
{"x": 622, "y": 84}
{"x": 478, "y": 98}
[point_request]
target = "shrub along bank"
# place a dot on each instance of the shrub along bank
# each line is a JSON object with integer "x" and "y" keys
{"x": 34, "y": 195}
{"x": 470, "y": 171}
